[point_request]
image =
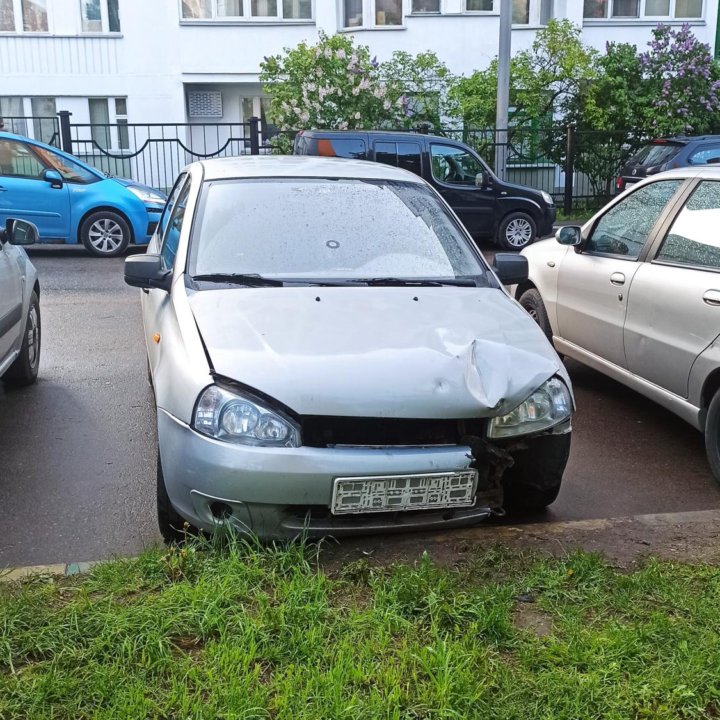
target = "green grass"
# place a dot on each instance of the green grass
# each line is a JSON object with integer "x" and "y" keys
{"x": 241, "y": 632}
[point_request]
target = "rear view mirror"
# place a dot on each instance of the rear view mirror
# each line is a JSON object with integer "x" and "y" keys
{"x": 569, "y": 235}
{"x": 483, "y": 179}
{"x": 20, "y": 232}
{"x": 53, "y": 177}
{"x": 511, "y": 269}
{"x": 147, "y": 272}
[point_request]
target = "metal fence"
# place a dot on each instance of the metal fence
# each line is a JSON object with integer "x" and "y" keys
{"x": 577, "y": 168}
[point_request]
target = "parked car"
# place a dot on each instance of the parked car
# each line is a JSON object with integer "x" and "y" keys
{"x": 635, "y": 294}
{"x": 70, "y": 202}
{"x": 330, "y": 353}
{"x": 669, "y": 153}
{"x": 512, "y": 215}
{"x": 19, "y": 305}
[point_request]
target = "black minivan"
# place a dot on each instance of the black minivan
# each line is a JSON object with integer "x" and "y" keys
{"x": 512, "y": 215}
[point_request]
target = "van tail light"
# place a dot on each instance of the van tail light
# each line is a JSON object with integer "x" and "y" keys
{"x": 620, "y": 183}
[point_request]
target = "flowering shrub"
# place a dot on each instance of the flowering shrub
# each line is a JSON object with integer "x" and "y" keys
{"x": 332, "y": 85}
{"x": 682, "y": 81}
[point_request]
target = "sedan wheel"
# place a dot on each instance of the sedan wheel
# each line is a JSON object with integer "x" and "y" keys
{"x": 516, "y": 231}
{"x": 24, "y": 370}
{"x": 105, "y": 234}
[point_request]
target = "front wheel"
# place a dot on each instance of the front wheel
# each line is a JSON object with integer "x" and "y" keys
{"x": 170, "y": 522}
{"x": 532, "y": 302}
{"x": 24, "y": 370}
{"x": 712, "y": 436}
{"x": 516, "y": 231}
{"x": 105, "y": 234}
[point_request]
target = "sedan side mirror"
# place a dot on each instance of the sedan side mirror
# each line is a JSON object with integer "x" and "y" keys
{"x": 569, "y": 235}
{"x": 511, "y": 269}
{"x": 20, "y": 232}
{"x": 147, "y": 272}
{"x": 53, "y": 177}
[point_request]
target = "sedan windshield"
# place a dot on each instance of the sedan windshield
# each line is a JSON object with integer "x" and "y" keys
{"x": 344, "y": 229}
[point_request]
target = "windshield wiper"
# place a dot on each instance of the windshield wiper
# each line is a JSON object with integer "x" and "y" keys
{"x": 417, "y": 282}
{"x": 248, "y": 279}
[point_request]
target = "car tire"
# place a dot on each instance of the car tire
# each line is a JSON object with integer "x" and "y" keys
{"x": 712, "y": 436}
{"x": 517, "y": 231}
{"x": 170, "y": 522}
{"x": 532, "y": 302}
{"x": 24, "y": 370}
{"x": 534, "y": 481}
{"x": 105, "y": 234}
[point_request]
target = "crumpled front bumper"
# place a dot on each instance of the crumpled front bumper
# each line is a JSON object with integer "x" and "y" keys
{"x": 282, "y": 492}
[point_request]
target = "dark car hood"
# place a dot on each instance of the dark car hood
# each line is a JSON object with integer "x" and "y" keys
{"x": 377, "y": 351}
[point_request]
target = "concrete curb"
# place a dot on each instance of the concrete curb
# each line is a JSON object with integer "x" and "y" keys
{"x": 59, "y": 569}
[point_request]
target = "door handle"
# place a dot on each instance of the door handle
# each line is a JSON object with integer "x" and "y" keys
{"x": 712, "y": 297}
{"x": 617, "y": 278}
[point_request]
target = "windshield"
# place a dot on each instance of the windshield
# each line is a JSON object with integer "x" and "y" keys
{"x": 655, "y": 154}
{"x": 323, "y": 228}
{"x": 71, "y": 171}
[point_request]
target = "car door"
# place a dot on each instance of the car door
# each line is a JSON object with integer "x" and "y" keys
{"x": 10, "y": 301}
{"x": 168, "y": 236}
{"x": 454, "y": 171}
{"x": 593, "y": 283}
{"x": 25, "y": 194}
{"x": 674, "y": 304}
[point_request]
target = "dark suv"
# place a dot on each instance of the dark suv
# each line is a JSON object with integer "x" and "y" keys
{"x": 667, "y": 153}
{"x": 513, "y": 215}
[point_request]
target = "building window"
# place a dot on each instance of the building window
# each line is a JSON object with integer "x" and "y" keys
{"x": 33, "y": 117}
{"x": 7, "y": 16}
{"x": 100, "y": 16}
{"x": 375, "y": 13}
{"x": 426, "y": 6}
{"x": 652, "y": 9}
{"x": 532, "y": 12}
{"x": 479, "y": 5}
{"x": 246, "y": 9}
{"x": 34, "y": 14}
{"x": 108, "y": 123}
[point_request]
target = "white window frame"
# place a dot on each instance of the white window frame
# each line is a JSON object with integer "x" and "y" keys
{"x": 535, "y": 14}
{"x": 369, "y": 17}
{"x": 104, "y": 20}
{"x": 113, "y": 117}
{"x": 643, "y": 17}
{"x": 19, "y": 25}
{"x": 495, "y": 9}
{"x": 423, "y": 13}
{"x": 247, "y": 15}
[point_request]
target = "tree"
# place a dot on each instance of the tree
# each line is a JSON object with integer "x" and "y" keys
{"x": 683, "y": 81}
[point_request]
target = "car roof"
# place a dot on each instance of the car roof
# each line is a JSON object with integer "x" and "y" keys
{"x": 712, "y": 172}
{"x": 375, "y": 133}
{"x": 301, "y": 166}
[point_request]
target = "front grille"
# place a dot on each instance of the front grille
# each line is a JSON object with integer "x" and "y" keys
{"x": 321, "y": 431}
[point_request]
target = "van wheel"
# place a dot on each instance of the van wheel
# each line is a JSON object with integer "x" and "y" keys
{"x": 532, "y": 301}
{"x": 105, "y": 234}
{"x": 516, "y": 231}
{"x": 24, "y": 370}
{"x": 712, "y": 436}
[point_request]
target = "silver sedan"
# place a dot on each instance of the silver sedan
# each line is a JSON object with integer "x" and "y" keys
{"x": 635, "y": 294}
{"x": 331, "y": 354}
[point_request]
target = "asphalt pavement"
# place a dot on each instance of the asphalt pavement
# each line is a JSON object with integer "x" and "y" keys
{"x": 77, "y": 450}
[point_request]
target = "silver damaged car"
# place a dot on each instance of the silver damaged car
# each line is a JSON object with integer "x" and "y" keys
{"x": 330, "y": 354}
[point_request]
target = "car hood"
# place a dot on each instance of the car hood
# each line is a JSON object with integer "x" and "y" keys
{"x": 125, "y": 183}
{"x": 377, "y": 352}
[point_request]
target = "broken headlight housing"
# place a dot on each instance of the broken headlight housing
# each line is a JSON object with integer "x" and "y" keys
{"x": 237, "y": 418}
{"x": 550, "y": 405}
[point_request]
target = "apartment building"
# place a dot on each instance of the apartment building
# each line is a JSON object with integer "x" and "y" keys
{"x": 177, "y": 61}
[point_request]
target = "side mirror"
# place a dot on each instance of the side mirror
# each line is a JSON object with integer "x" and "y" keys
{"x": 511, "y": 269}
{"x": 483, "y": 179}
{"x": 147, "y": 272}
{"x": 569, "y": 235}
{"x": 53, "y": 177}
{"x": 20, "y": 232}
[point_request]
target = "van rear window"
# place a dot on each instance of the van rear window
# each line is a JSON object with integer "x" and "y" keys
{"x": 332, "y": 147}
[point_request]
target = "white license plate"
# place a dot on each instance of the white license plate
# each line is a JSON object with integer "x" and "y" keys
{"x": 395, "y": 493}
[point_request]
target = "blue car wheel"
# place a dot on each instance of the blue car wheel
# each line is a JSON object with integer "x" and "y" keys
{"x": 105, "y": 234}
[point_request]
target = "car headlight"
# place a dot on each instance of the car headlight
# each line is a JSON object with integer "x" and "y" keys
{"x": 547, "y": 197}
{"x": 236, "y": 418}
{"x": 147, "y": 195}
{"x": 550, "y": 405}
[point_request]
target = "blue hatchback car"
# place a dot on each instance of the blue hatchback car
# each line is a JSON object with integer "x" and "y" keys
{"x": 72, "y": 202}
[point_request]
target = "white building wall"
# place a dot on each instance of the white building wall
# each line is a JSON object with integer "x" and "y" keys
{"x": 157, "y": 54}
